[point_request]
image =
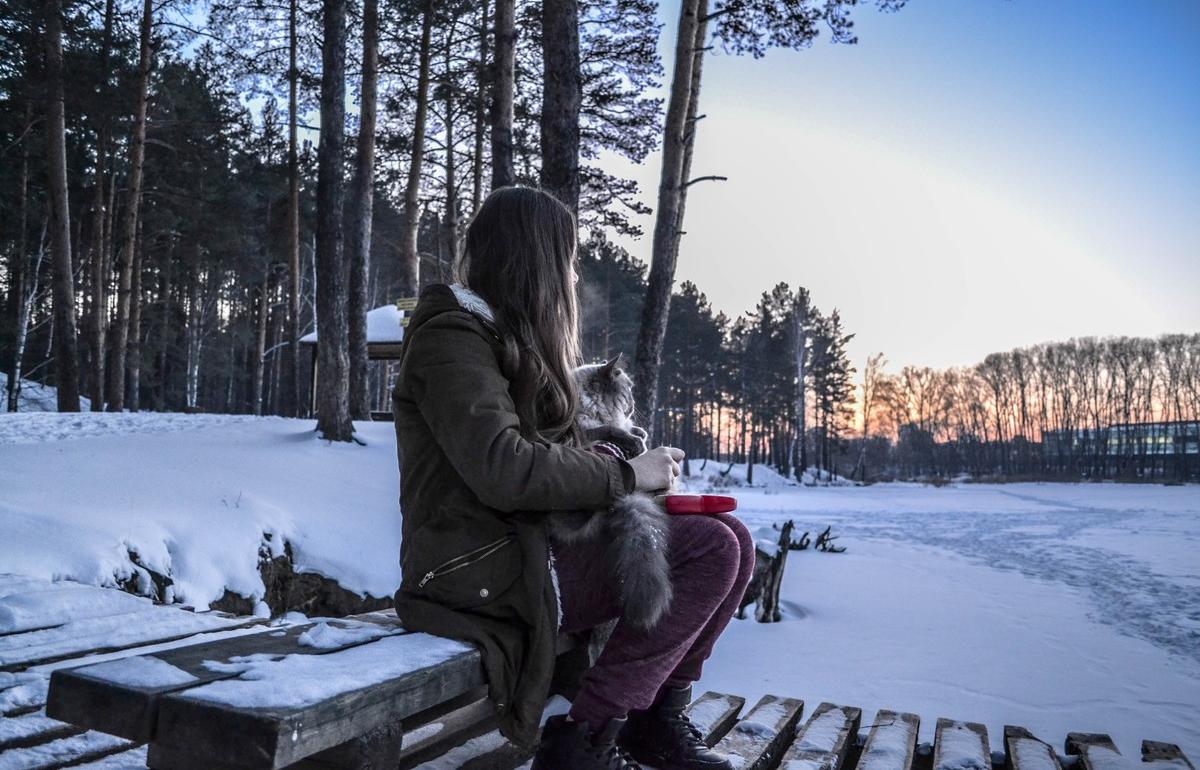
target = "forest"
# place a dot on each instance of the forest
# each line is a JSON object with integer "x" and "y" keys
{"x": 188, "y": 189}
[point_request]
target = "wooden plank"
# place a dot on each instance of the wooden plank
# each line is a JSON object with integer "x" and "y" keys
{"x": 32, "y": 729}
{"x": 824, "y": 741}
{"x": 961, "y": 746}
{"x": 114, "y": 698}
{"x": 377, "y": 749}
{"x": 1023, "y": 751}
{"x": 1096, "y": 751}
{"x": 714, "y": 714}
{"x": 22, "y": 693}
{"x": 109, "y": 633}
{"x": 434, "y": 738}
{"x": 506, "y": 756}
{"x": 763, "y": 734}
{"x": 1165, "y": 755}
{"x": 292, "y": 708}
{"x": 891, "y": 743}
{"x": 133, "y": 759}
{"x": 62, "y": 752}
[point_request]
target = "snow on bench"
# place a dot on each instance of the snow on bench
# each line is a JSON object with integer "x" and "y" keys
{"x": 1096, "y": 751}
{"x": 1165, "y": 755}
{"x": 961, "y": 746}
{"x": 714, "y": 714}
{"x": 891, "y": 742}
{"x": 89, "y": 635}
{"x": 270, "y": 699}
{"x": 61, "y": 751}
{"x": 1025, "y": 752}
{"x": 823, "y": 743}
{"x": 760, "y": 737}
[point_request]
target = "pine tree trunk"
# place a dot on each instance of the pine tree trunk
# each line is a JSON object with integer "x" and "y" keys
{"x": 662, "y": 262}
{"x": 134, "y": 357}
{"x": 359, "y": 246}
{"x": 99, "y": 319}
{"x": 480, "y": 108}
{"x": 262, "y": 311}
{"x": 164, "y": 331}
{"x": 19, "y": 272}
{"x": 333, "y": 378}
{"x": 503, "y": 69}
{"x": 290, "y": 403}
{"x": 410, "y": 260}
{"x": 66, "y": 353}
{"x": 450, "y": 220}
{"x": 137, "y": 151}
{"x": 799, "y": 342}
{"x": 562, "y": 93}
{"x": 689, "y": 131}
{"x": 99, "y": 275}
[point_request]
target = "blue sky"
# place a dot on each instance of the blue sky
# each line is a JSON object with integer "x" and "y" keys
{"x": 974, "y": 175}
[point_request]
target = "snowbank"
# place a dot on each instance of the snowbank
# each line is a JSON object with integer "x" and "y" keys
{"x": 192, "y": 497}
{"x": 35, "y": 397}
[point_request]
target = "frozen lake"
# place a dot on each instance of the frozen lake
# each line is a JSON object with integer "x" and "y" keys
{"x": 1052, "y": 606}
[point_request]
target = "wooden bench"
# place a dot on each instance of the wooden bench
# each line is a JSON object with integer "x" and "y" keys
{"x": 357, "y": 692}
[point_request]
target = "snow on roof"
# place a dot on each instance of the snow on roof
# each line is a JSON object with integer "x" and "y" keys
{"x": 383, "y": 325}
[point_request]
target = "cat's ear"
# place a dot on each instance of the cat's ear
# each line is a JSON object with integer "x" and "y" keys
{"x": 612, "y": 364}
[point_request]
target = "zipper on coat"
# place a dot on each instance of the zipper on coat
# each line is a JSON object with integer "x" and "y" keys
{"x": 466, "y": 559}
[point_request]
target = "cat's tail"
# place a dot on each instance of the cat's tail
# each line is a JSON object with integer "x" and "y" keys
{"x": 637, "y": 552}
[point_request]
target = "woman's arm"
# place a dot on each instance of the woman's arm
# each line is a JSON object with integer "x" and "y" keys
{"x": 453, "y": 376}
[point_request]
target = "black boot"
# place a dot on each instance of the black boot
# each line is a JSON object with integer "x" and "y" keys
{"x": 567, "y": 745}
{"x": 664, "y": 737}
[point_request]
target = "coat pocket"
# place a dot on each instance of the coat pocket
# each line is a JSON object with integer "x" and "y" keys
{"x": 475, "y": 577}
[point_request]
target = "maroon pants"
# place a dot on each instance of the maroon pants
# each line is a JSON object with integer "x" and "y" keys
{"x": 711, "y": 558}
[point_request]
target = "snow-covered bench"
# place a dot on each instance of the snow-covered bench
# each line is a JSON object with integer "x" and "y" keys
{"x": 336, "y": 691}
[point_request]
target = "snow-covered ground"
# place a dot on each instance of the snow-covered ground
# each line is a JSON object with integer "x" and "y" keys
{"x": 1057, "y": 607}
{"x": 35, "y": 397}
{"x": 193, "y": 496}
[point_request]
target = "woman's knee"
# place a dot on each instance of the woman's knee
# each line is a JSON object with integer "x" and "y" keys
{"x": 710, "y": 541}
{"x": 745, "y": 541}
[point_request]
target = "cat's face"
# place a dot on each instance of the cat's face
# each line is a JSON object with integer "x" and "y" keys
{"x": 605, "y": 393}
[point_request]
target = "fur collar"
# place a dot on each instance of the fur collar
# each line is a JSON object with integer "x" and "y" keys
{"x": 472, "y": 302}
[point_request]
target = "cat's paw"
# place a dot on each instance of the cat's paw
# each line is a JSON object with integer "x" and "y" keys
{"x": 630, "y": 443}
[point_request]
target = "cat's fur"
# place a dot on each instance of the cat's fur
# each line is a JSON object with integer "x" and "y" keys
{"x": 635, "y": 530}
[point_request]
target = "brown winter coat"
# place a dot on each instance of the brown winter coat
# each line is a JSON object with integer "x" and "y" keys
{"x": 475, "y": 554}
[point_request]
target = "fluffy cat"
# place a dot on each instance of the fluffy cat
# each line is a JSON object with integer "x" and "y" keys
{"x": 635, "y": 530}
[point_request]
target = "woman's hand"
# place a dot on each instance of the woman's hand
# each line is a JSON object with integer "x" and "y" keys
{"x": 656, "y": 470}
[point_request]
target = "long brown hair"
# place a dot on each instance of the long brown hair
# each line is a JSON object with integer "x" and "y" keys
{"x": 519, "y": 253}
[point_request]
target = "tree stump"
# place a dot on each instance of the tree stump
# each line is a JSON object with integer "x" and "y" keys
{"x": 763, "y": 589}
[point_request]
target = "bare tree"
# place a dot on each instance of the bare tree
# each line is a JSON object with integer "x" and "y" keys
{"x": 410, "y": 262}
{"x": 66, "y": 354}
{"x": 126, "y": 256}
{"x": 291, "y": 354}
{"x": 656, "y": 309}
{"x": 333, "y": 376}
{"x": 503, "y": 72}
{"x": 362, "y": 200}
{"x": 562, "y": 94}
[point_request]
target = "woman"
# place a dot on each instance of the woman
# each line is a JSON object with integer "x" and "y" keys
{"x": 485, "y": 408}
